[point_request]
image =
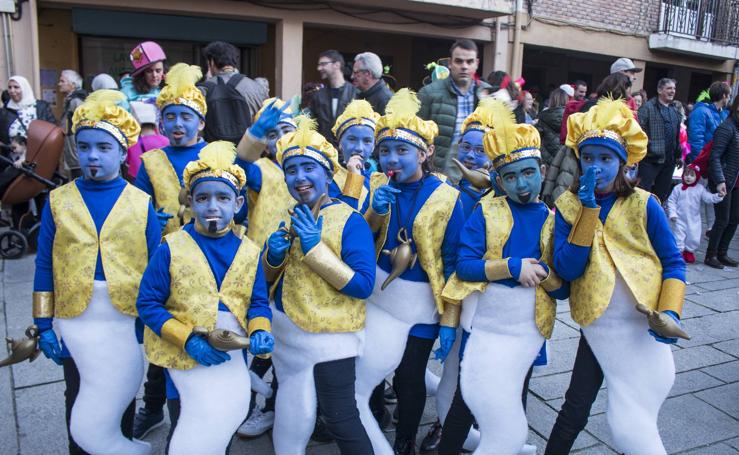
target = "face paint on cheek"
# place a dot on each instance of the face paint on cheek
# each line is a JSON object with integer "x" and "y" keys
{"x": 306, "y": 180}
{"x": 214, "y": 205}
{"x": 604, "y": 159}
{"x": 472, "y": 140}
{"x": 181, "y": 125}
{"x": 400, "y": 160}
{"x": 521, "y": 180}
{"x": 357, "y": 140}
{"x": 99, "y": 153}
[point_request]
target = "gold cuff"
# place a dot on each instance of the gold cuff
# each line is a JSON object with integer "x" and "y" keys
{"x": 250, "y": 148}
{"x": 552, "y": 282}
{"x": 259, "y": 323}
{"x": 583, "y": 229}
{"x": 672, "y": 296}
{"x": 374, "y": 219}
{"x": 353, "y": 185}
{"x": 497, "y": 269}
{"x": 176, "y": 332}
{"x": 43, "y": 304}
{"x": 271, "y": 272}
{"x": 322, "y": 260}
{"x": 450, "y": 317}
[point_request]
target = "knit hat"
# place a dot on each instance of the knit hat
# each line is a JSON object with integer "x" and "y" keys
{"x": 102, "y": 110}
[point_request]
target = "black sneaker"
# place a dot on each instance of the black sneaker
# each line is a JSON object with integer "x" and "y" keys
{"x": 432, "y": 439}
{"x": 145, "y": 420}
{"x": 390, "y": 397}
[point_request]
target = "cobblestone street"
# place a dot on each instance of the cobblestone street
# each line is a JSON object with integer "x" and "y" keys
{"x": 700, "y": 417}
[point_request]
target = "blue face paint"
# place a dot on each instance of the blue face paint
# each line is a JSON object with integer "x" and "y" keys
{"x": 181, "y": 125}
{"x": 275, "y": 134}
{"x": 521, "y": 180}
{"x": 100, "y": 155}
{"x": 214, "y": 203}
{"x": 606, "y": 160}
{"x": 357, "y": 140}
{"x": 471, "y": 152}
{"x": 306, "y": 179}
{"x": 402, "y": 159}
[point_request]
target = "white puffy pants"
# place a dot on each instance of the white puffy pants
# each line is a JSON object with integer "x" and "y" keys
{"x": 500, "y": 350}
{"x": 102, "y": 342}
{"x": 638, "y": 370}
{"x": 213, "y": 401}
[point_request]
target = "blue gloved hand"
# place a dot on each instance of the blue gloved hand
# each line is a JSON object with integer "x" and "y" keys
{"x": 384, "y": 196}
{"x": 447, "y": 335}
{"x": 163, "y": 217}
{"x": 306, "y": 227}
{"x": 261, "y": 342}
{"x": 49, "y": 345}
{"x": 277, "y": 245}
{"x": 587, "y": 188}
{"x": 199, "y": 349}
{"x": 664, "y": 340}
{"x": 267, "y": 120}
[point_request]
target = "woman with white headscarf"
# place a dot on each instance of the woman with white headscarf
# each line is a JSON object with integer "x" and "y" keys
{"x": 21, "y": 109}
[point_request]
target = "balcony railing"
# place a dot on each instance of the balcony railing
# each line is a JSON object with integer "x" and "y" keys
{"x": 715, "y": 21}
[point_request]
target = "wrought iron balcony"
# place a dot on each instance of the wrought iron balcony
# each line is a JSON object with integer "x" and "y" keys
{"x": 714, "y": 21}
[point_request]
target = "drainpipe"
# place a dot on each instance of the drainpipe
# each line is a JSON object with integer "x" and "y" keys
{"x": 516, "y": 54}
{"x": 8, "y": 46}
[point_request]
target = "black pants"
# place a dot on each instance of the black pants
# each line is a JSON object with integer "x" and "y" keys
{"x": 657, "y": 178}
{"x": 727, "y": 218}
{"x": 587, "y": 377}
{"x": 459, "y": 420}
{"x": 261, "y": 367}
{"x": 155, "y": 389}
{"x": 410, "y": 386}
{"x": 72, "y": 383}
{"x": 336, "y": 400}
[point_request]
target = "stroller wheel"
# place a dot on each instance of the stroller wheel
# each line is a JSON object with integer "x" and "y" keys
{"x": 12, "y": 244}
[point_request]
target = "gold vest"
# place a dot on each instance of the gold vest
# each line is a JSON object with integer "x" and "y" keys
{"x": 340, "y": 179}
{"x": 166, "y": 187}
{"x": 429, "y": 228}
{"x": 622, "y": 244}
{"x": 498, "y": 225}
{"x": 122, "y": 244}
{"x": 268, "y": 207}
{"x": 310, "y": 302}
{"x": 194, "y": 294}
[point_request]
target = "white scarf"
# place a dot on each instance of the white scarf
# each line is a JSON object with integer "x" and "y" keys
{"x": 27, "y": 100}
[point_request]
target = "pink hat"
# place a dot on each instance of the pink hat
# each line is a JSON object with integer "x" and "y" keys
{"x": 146, "y": 54}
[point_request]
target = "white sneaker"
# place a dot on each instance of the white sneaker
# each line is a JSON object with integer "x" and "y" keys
{"x": 257, "y": 424}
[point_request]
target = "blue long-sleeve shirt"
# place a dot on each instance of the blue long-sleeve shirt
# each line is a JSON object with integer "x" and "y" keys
{"x": 358, "y": 252}
{"x": 408, "y": 203}
{"x": 524, "y": 242}
{"x": 178, "y": 156}
{"x": 220, "y": 253}
{"x": 469, "y": 197}
{"x": 570, "y": 260}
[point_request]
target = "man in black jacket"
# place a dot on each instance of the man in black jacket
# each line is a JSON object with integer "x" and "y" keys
{"x": 330, "y": 101}
{"x": 367, "y": 77}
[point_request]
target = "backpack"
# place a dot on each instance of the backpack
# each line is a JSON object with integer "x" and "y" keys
{"x": 228, "y": 114}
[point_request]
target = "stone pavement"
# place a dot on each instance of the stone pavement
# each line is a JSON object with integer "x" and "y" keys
{"x": 700, "y": 417}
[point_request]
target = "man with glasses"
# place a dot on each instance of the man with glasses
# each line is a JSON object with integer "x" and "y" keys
{"x": 367, "y": 78}
{"x": 330, "y": 101}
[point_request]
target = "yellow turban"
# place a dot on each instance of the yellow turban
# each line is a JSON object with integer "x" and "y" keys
{"x": 180, "y": 89}
{"x": 306, "y": 141}
{"x": 483, "y": 118}
{"x": 358, "y": 112}
{"x": 401, "y": 123}
{"x": 102, "y": 111}
{"x": 215, "y": 162}
{"x": 609, "y": 123}
{"x": 509, "y": 141}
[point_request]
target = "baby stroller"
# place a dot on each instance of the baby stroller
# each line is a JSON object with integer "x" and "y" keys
{"x": 44, "y": 148}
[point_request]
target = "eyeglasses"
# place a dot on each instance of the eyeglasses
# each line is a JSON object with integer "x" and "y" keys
{"x": 467, "y": 148}
{"x": 321, "y": 64}
{"x": 358, "y": 72}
